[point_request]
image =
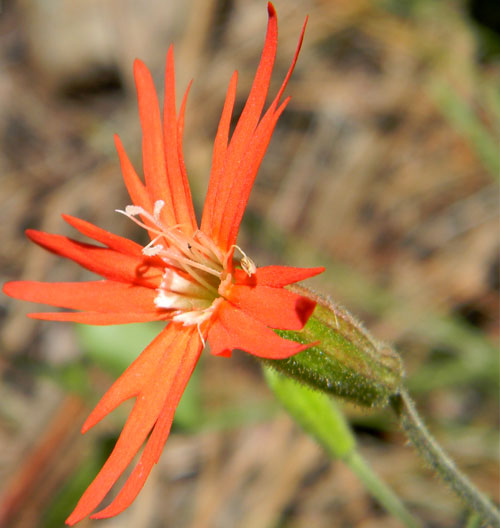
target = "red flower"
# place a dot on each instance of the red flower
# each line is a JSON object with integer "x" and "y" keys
{"x": 186, "y": 275}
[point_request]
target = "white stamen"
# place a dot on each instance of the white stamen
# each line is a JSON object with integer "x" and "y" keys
{"x": 174, "y": 282}
{"x": 201, "y": 335}
{"x": 193, "y": 318}
{"x": 177, "y": 301}
{"x": 151, "y": 249}
{"x": 196, "y": 276}
{"x": 191, "y": 263}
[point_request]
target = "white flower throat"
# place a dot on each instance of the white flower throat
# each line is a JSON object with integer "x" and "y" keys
{"x": 196, "y": 274}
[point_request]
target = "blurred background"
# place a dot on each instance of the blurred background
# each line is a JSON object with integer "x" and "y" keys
{"x": 384, "y": 168}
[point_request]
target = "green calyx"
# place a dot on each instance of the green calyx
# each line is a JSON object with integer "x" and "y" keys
{"x": 346, "y": 361}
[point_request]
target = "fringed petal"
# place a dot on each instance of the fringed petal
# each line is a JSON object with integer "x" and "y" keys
{"x": 246, "y": 125}
{"x": 131, "y": 382}
{"x": 146, "y": 412}
{"x": 247, "y": 146}
{"x": 237, "y": 200}
{"x": 159, "y": 435}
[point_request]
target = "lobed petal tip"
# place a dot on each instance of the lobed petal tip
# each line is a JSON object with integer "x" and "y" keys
{"x": 318, "y": 269}
{"x": 7, "y": 288}
{"x": 140, "y": 70}
{"x": 86, "y": 427}
{"x": 71, "y": 220}
{"x": 35, "y": 315}
{"x": 138, "y": 64}
{"x": 17, "y": 289}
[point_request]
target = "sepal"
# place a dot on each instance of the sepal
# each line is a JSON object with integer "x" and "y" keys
{"x": 345, "y": 361}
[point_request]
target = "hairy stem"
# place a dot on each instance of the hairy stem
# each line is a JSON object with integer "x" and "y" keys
{"x": 322, "y": 418}
{"x": 432, "y": 452}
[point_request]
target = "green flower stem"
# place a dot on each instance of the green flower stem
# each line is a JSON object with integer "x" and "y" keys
{"x": 379, "y": 489}
{"x": 432, "y": 452}
{"x": 318, "y": 415}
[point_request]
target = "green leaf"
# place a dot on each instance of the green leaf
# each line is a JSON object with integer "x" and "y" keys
{"x": 72, "y": 377}
{"x": 189, "y": 412}
{"x": 315, "y": 412}
{"x": 115, "y": 347}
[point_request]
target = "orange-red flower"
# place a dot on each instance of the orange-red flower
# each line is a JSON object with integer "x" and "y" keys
{"x": 186, "y": 275}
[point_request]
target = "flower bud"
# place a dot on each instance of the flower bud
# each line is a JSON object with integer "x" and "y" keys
{"x": 345, "y": 359}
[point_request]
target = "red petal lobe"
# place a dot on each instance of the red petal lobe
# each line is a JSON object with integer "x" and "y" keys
{"x": 103, "y": 261}
{"x": 234, "y": 329}
{"x": 136, "y": 189}
{"x": 153, "y": 155}
{"x": 275, "y": 307}
{"x": 99, "y": 296}
{"x": 219, "y": 158}
{"x": 276, "y": 276}
{"x": 112, "y": 241}
{"x": 177, "y": 181}
{"x": 97, "y": 318}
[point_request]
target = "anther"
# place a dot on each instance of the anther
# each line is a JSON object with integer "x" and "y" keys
{"x": 157, "y": 209}
{"x": 132, "y": 210}
{"x": 246, "y": 262}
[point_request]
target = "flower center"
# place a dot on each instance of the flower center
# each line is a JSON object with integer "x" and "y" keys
{"x": 196, "y": 273}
